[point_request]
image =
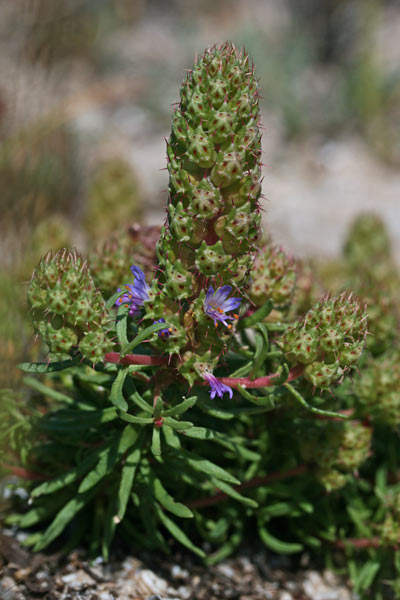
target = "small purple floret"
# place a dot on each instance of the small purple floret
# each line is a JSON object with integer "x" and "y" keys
{"x": 137, "y": 292}
{"x": 163, "y": 333}
{"x": 217, "y": 304}
{"x": 217, "y": 388}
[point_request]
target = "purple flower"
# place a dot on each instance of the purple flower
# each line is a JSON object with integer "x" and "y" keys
{"x": 216, "y": 386}
{"x": 137, "y": 292}
{"x": 163, "y": 333}
{"x": 217, "y": 304}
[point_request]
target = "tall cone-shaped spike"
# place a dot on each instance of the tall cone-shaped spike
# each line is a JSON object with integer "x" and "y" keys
{"x": 210, "y": 238}
{"x": 214, "y": 172}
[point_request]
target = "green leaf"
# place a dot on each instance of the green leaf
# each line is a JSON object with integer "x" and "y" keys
{"x": 121, "y": 324}
{"x": 71, "y": 421}
{"x": 276, "y": 545}
{"x": 167, "y": 501}
{"x": 230, "y": 491}
{"x": 366, "y": 575}
{"x": 109, "y": 457}
{"x": 41, "y": 367}
{"x": 275, "y": 510}
{"x": 267, "y": 402}
{"x": 116, "y": 396}
{"x": 262, "y": 348}
{"x": 65, "y": 515}
{"x": 256, "y": 317}
{"x": 48, "y": 487}
{"x": 156, "y": 442}
{"x": 177, "y": 532}
{"x": 111, "y": 301}
{"x": 171, "y": 437}
{"x": 178, "y": 425}
{"x": 228, "y": 547}
{"x": 158, "y": 407}
{"x": 138, "y": 420}
{"x": 142, "y": 336}
{"x": 200, "y": 433}
{"x": 313, "y": 409}
{"x": 141, "y": 403}
{"x": 243, "y": 370}
{"x": 47, "y": 391}
{"x": 205, "y": 466}
{"x": 180, "y": 408}
{"x": 43, "y": 511}
{"x": 128, "y": 474}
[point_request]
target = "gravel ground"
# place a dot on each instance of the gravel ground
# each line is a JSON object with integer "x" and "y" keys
{"x": 246, "y": 577}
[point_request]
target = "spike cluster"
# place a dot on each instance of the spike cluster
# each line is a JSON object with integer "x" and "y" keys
{"x": 213, "y": 225}
{"x": 338, "y": 449}
{"x": 390, "y": 529}
{"x": 110, "y": 262}
{"x": 113, "y": 198}
{"x": 68, "y": 312}
{"x": 214, "y": 165}
{"x": 273, "y": 277}
{"x": 368, "y": 245}
{"x": 327, "y": 340}
{"x": 378, "y": 390}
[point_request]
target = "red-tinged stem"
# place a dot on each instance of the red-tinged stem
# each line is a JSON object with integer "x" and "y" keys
{"x": 24, "y": 473}
{"x": 135, "y": 359}
{"x": 360, "y": 543}
{"x": 254, "y": 482}
{"x": 261, "y": 382}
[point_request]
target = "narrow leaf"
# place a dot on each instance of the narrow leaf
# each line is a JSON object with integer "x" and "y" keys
{"x": 121, "y": 324}
{"x": 230, "y": 491}
{"x": 178, "y": 425}
{"x": 256, "y": 317}
{"x": 167, "y": 501}
{"x": 156, "y": 442}
{"x": 177, "y": 533}
{"x": 116, "y": 396}
{"x": 180, "y": 408}
{"x": 41, "y": 367}
{"x": 205, "y": 466}
{"x": 142, "y": 336}
{"x": 65, "y": 515}
{"x": 109, "y": 457}
{"x": 138, "y": 420}
{"x": 111, "y": 301}
{"x": 276, "y": 545}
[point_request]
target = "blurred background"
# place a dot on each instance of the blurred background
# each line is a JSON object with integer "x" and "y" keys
{"x": 86, "y": 95}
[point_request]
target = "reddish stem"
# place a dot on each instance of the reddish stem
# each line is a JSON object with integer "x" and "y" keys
{"x": 135, "y": 359}
{"x": 360, "y": 543}
{"x": 260, "y": 382}
{"x": 24, "y": 473}
{"x": 254, "y": 482}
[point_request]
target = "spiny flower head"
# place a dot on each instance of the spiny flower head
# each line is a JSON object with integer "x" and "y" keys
{"x": 137, "y": 292}
{"x": 217, "y": 388}
{"x": 217, "y": 304}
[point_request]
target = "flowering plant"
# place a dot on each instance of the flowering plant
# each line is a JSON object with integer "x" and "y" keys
{"x": 210, "y": 392}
